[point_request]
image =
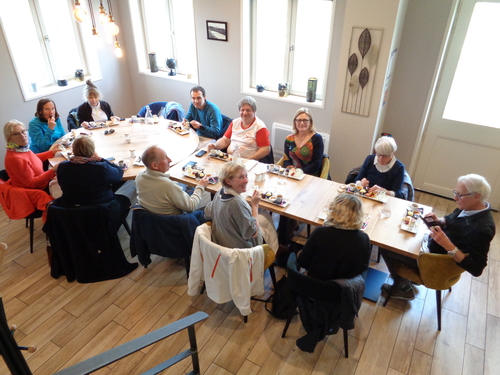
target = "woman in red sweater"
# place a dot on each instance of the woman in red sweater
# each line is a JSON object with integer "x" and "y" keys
{"x": 25, "y": 170}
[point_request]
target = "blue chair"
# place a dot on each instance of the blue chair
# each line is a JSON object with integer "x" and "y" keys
{"x": 155, "y": 108}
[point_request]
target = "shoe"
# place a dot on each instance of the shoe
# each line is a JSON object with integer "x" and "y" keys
{"x": 405, "y": 292}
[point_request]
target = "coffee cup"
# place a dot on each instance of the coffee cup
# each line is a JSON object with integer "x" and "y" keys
{"x": 121, "y": 163}
{"x": 128, "y": 138}
{"x": 132, "y": 152}
{"x": 213, "y": 152}
{"x": 279, "y": 199}
{"x": 351, "y": 187}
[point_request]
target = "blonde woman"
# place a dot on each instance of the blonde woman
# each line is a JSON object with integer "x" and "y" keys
{"x": 339, "y": 249}
{"x": 235, "y": 223}
{"x": 94, "y": 109}
{"x": 304, "y": 148}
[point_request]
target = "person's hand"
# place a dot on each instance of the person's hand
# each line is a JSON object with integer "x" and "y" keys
{"x": 85, "y": 124}
{"x": 255, "y": 200}
{"x": 115, "y": 118}
{"x": 195, "y": 124}
{"x": 203, "y": 182}
{"x": 211, "y": 146}
{"x": 54, "y": 168}
{"x": 56, "y": 147}
{"x": 376, "y": 189}
{"x": 365, "y": 183}
{"x": 441, "y": 238}
{"x": 51, "y": 122}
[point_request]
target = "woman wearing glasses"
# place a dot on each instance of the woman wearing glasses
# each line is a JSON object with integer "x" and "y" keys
{"x": 382, "y": 171}
{"x": 304, "y": 148}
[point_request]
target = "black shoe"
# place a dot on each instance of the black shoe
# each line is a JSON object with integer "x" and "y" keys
{"x": 405, "y": 292}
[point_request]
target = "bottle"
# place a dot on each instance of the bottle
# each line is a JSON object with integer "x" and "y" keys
{"x": 236, "y": 155}
{"x": 148, "y": 116}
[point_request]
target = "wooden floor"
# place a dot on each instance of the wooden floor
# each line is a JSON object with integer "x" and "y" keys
{"x": 69, "y": 322}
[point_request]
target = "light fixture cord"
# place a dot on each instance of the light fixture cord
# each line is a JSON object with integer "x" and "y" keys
{"x": 109, "y": 8}
{"x": 92, "y": 14}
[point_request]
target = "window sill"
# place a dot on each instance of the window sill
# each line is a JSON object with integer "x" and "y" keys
{"x": 164, "y": 75}
{"x": 287, "y": 99}
{"x": 45, "y": 91}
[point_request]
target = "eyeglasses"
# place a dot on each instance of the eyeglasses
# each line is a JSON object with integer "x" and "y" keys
{"x": 21, "y": 132}
{"x": 459, "y": 196}
{"x": 383, "y": 156}
{"x": 299, "y": 120}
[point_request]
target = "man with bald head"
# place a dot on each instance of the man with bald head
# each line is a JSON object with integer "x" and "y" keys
{"x": 157, "y": 193}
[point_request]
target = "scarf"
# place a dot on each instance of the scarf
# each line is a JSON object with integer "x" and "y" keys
{"x": 11, "y": 146}
{"x": 384, "y": 168}
{"x": 81, "y": 160}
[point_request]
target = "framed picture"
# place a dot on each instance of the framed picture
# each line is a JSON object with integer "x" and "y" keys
{"x": 217, "y": 30}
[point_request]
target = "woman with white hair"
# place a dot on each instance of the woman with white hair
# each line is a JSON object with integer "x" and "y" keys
{"x": 464, "y": 235}
{"x": 382, "y": 171}
{"x": 94, "y": 109}
{"x": 247, "y": 134}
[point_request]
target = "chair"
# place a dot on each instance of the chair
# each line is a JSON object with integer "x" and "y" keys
{"x": 325, "y": 166}
{"x": 226, "y": 121}
{"x": 229, "y": 274}
{"x": 269, "y": 158}
{"x": 435, "y": 271}
{"x": 26, "y": 200}
{"x": 85, "y": 243}
{"x": 72, "y": 119}
{"x": 155, "y": 108}
{"x": 169, "y": 236}
{"x": 328, "y": 294}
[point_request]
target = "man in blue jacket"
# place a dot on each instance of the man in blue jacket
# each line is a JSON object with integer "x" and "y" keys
{"x": 204, "y": 116}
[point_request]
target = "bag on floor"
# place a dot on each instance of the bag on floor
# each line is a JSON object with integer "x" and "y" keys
{"x": 283, "y": 303}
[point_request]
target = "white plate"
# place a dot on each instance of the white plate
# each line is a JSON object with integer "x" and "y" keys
{"x": 283, "y": 204}
{"x": 229, "y": 158}
{"x": 408, "y": 229}
{"x": 138, "y": 161}
{"x": 292, "y": 177}
{"x": 383, "y": 200}
{"x": 183, "y": 132}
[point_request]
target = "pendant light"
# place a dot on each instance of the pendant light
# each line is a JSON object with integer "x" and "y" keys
{"x": 113, "y": 28}
{"x": 103, "y": 17}
{"x": 79, "y": 13}
{"x": 118, "y": 49}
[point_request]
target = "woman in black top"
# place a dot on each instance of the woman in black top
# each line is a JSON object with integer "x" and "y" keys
{"x": 94, "y": 109}
{"x": 339, "y": 249}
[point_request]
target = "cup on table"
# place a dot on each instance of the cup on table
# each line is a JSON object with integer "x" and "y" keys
{"x": 134, "y": 118}
{"x": 132, "y": 153}
{"x": 279, "y": 199}
{"x": 121, "y": 163}
{"x": 128, "y": 138}
{"x": 381, "y": 194}
{"x": 385, "y": 212}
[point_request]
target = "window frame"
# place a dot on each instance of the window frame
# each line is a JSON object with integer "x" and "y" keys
{"x": 86, "y": 50}
{"x": 249, "y": 81}
{"x": 139, "y": 32}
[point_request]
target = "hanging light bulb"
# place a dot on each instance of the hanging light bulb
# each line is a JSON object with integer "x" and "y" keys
{"x": 118, "y": 49}
{"x": 103, "y": 17}
{"x": 79, "y": 13}
{"x": 113, "y": 28}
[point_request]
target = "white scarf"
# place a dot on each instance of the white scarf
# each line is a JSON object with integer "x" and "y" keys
{"x": 383, "y": 168}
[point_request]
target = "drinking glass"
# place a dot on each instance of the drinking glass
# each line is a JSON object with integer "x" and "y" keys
{"x": 386, "y": 211}
{"x": 281, "y": 176}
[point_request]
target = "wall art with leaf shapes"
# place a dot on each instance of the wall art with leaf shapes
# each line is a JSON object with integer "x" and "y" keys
{"x": 360, "y": 70}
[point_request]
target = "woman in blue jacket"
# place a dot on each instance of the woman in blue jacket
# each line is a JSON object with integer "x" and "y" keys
{"x": 46, "y": 127}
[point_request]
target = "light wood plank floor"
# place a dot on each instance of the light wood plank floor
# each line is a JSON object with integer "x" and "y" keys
{"x": 69, "y": 322}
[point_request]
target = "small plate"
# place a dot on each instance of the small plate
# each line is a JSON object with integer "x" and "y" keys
{"x": 212, "y": 180}
{"x": 292, "y": 177}
{"x": 138, "y": 161}
{"x": 182, "y": 132}
{"x": 408, "y": 229}
{"x": 283, "y": 203}
{"x": 229, "y": 157}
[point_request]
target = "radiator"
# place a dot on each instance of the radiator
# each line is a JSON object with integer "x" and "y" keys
{"x": 278, "y": 134}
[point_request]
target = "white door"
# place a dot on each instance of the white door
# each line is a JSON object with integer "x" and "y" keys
{"x": 463, "y": 129}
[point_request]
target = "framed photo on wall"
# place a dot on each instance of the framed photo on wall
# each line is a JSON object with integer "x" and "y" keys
{"x": 217, "y": 30}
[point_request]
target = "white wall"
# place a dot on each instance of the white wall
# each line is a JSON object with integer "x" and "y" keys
{"x": 219, "y": 71}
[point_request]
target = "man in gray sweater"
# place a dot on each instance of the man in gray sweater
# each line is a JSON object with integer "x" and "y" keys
{"x": 157, "y": 193}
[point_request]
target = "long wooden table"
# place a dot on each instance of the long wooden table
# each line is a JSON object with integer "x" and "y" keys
{"x": 177, "y": 146}
{"x": 309, "y": 196}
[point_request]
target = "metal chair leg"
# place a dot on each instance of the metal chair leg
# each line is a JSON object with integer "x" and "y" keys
{"x": 32, "y": 228}
{"x": 273, "y": 276}
{"x": 346, "y": 343}
{"x": 438, "y": 306}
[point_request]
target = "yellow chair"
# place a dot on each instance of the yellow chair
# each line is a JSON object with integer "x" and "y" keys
{"x": 325, "y": 166}
{"x": 435, "y": 271}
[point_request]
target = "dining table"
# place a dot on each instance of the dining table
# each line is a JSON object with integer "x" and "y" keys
{"x": 305, "y": 199}
{"x": 127, "y": 140}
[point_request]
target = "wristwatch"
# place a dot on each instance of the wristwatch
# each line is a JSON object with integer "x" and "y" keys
{"x": 452, "y": 252}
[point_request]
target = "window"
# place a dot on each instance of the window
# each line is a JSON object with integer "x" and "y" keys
{"x": 45, "y": 46}
{"x": 288, "y": 41}
{"x": 168, "y": 30}
{"x": 473, "y": 96}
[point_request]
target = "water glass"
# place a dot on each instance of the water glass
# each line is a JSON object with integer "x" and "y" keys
{"x": 281, "y": 176}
